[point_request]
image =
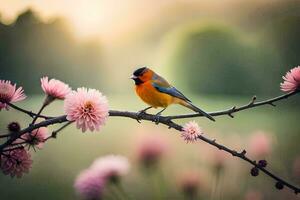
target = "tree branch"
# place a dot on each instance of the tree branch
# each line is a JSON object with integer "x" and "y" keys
{"x": 30, "y": 113}
{"x": 167, "y": 120}
{"x": 235, "y": 109}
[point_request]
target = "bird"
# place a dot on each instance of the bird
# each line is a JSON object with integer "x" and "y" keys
{"x": 155, "y": 91}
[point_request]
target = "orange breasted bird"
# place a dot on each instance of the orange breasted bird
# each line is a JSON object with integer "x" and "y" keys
{"x": 157, "y": 92}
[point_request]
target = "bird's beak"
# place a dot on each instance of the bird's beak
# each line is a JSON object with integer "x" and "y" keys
{"x": 133, "y": 77}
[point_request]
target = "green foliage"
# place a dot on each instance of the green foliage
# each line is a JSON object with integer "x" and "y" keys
{"x": 217, "y": 59}
{"x": 30, "y": 49}
{"x": 283, "y": 35}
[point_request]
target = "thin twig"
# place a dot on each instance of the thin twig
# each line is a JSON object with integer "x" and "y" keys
{"x": 5, "y": 135}
{"x": 54, "y": 133}
{"x": 30, "y": 113}
{"x": 235, "y": 109}
{"x": 13, "y": 148}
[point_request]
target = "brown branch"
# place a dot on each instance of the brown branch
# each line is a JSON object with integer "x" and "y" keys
{"x": 45, "y": 123}
{"x": 235, "y": 109}
{"x": 5, "y": 135}
{"x": 167, "y": 120}
{"x": 54, "y": 133}
{"x": 30, "y": 113}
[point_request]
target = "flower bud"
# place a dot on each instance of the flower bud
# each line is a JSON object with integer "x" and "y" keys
{"x": 14, "y": 127}
{"x": 262, "y": 163}
{"x": 254, "y": 171}
{"x": 279, "y": 185}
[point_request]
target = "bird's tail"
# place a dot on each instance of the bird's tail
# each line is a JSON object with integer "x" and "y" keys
{"x": 196, "y": 109}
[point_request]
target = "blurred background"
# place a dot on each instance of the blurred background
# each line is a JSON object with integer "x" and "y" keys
{"x": 218, "y": 52}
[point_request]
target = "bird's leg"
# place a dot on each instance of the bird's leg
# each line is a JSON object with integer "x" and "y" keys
{"x": 156, "y": 117}
{"x": 142, "y": 112}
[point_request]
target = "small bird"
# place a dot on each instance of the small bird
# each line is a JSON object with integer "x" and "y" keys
{"x": 157, "y": 92}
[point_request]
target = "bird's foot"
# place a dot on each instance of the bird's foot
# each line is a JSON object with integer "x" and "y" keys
{"x": 141, "y": 113}
{"x": 156, "y": 119}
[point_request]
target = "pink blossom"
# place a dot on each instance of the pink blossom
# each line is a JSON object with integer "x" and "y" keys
{"x": 87, "y": 107}
{"x": 9, "y": 93}
{"x": 260, "y": 145}
{"x": 16, "y": 162}
{"x": 111, "y": 167}
{"x": 89, "y": 184}
{"x": 151, "y": 149}
{"x": 189, "y": 183}
{"x": 36, "y": 137}
{"x": 191, "y": 131}
{"x": 55, "y": 88}
{"x": 291, "y": 80}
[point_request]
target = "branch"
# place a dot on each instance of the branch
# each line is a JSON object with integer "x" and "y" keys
{"x": 167, "y": 120}
{"x": 45, "y": 123}
{"x": 30, "y": 113}
{"x": 54, "y": 133}
{"x": 235, "y": 109}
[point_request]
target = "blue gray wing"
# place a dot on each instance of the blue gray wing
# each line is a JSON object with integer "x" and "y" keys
{"x": 171, "y": 91}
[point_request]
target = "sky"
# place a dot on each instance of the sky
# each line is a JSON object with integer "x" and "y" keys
{"x": 108, "y": 18}
{"x": 92, "y": 17}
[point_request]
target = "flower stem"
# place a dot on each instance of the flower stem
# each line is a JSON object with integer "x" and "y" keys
{"x": 5, "y": 135}
{"x": 120, "y": 187}
{"x": 115, "y": 192}
{"x": 37, "y": 115}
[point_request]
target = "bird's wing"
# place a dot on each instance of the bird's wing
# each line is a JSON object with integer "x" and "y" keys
{"x": 169, "y": 90}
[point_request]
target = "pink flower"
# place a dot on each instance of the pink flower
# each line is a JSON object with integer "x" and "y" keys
{"x": 87, "y": 107}
{"x": 291, "y": 80}
{"x": 36, "y": 137}
{"x": 260, "y": 145}
{"x": 191, "y": 131}
{"x": 111, "y": 167}
{"x": 151, "y": 149}
{"x": 189, "y": 183}
{"x": 16, "y": 162}
{"x": 89, "y": 184}
{"x": 10, "y": 94}
{"x": 55, "y": 88}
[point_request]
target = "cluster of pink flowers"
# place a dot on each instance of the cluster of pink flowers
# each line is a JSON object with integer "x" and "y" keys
{"x": 9, "y": 93}
{"x": 15, "y": 162}
{"x": 291, "y": 80}
{"x": 191, "y": 131}
{"x": 87, "y": 107}
{"x": 91, "y": 182}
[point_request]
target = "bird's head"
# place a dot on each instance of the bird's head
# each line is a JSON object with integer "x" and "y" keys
{"x": 142, "y": 75}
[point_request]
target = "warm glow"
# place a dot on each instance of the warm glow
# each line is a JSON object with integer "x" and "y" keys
{"x": 89, "y": 18}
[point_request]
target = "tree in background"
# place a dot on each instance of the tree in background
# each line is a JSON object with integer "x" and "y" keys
{"x": 31, "y": 48}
